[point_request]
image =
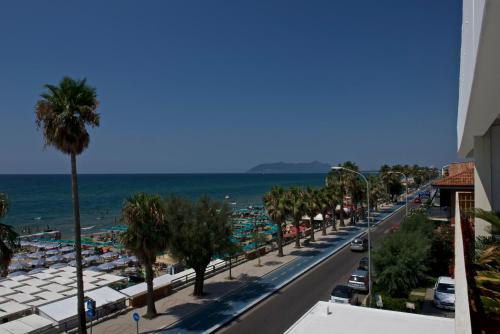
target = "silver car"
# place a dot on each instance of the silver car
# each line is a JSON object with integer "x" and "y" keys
{"x": 358, "y": 280}
{"x": 359, "y": 245}
{"x": 444, "y": 293}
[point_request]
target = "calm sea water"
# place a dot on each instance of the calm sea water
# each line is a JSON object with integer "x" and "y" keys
{"x": 38, "y": 201}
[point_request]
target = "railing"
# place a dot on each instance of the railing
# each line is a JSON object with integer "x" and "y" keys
{"x": 462, "y": 311}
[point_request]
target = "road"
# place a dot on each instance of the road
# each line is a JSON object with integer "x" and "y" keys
{"x": 282, "y": 309}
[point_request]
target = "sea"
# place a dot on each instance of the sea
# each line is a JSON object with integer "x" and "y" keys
{"x": 44, "y": 201}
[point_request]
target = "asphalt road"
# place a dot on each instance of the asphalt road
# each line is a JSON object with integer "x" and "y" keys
{"x": 286, "y": 306}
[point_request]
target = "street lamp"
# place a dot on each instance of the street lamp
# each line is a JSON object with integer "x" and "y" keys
{"x": 369, "y": 236}
{"x": 406, "y": 183}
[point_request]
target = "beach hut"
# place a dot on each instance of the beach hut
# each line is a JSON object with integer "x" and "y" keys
{"x": 109, "y": 255}
{"x": 88, "y": 252}
{"x": 31, "y": 324}
{"x": 17, "y": 266}
{"x": 17, "y": 273}
{"x": 73, "y": 263}
{"x": 20, "y": 257}
{"x": 93, "y": 259}
{"x": 36, "y": 271}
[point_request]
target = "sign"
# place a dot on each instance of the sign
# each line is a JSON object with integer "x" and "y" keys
{"x": 90, "y": 313}
{"x": 136, "y": 316}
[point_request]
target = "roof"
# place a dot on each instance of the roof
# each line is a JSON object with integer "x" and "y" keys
{"x": 26, "y": 325}
{"x": 326, "y": 317}
{"x": 65, "y": 309}
{"x": 462, "y": 179}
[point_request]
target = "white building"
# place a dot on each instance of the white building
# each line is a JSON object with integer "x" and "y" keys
{"x": 478, "y": 124}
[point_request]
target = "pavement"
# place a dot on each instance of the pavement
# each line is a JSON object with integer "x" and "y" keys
{"x": 227, "y": 299}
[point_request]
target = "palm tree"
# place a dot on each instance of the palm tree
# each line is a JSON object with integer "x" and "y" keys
{"x": 63, "y": 113}
{"x": 146, "y": 236}
{"x": 275, "y": 203}
{"x": 327, "y": 203}
{"x": 8, "y": 237}
{"x": 295, "y": 198}
{"x": 489, "y": 216}
{"x": 338, "y": 180}
{"x": 312, "y": 207}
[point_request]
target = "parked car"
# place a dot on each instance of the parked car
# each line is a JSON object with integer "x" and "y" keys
{"x": 359, "y": 244}
{"x": 342, "y": 294}
{"x": 444, "y": 293}
{"x": 363, "y": 263}
{"x": 417, "y": 200}
{"x": 358, "y": 280}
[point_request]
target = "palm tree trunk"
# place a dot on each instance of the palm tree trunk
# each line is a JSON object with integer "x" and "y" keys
{"x": 312, "y": 239}
{"x": 334, "y": 219}
{"x": 324, "y": 222}
{"x": 151, "y": 308}
{"x": 280, "y": 239}
{"x": 341, "y": 215}
{"x": 82, "y": 322}
{"x": 297, "y": 233}
{"x": 230, "y": 267}
{"x": 198, "y": 281}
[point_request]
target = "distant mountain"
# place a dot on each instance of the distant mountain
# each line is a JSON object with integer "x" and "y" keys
{"x": 291, "y": 168}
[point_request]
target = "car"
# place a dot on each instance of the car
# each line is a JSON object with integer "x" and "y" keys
{"x": 359, "y": 280}
{"x": 341, "y": 294}
{"x": 359, "y": 244}
{"x": 417, "y": 200}
{"x": 363, "y": 263}
{"x": 444, "y": 293}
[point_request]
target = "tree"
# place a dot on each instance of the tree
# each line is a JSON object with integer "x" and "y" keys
{"x": 400, "y": 261}
{"x": 275, "y": 203}
{"x": 327, "y": 203}
{"x": 146, "y": 236}
{"x": 8, "y": 237}
{"x": 233, "y": 250}
{"x": 259, "y": 239}
{"x": 200, "y": 232}
{"x": 336, "y": 180}
{"x": 64, "y": 112}
{"x": 312, "y": 207}
{"x": 489, "y": 216}
{"x": 352, "y": 185}
{"x": 296, "y": 210}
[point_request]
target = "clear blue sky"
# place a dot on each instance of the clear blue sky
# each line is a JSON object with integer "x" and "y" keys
{"x": 219, "y": 86}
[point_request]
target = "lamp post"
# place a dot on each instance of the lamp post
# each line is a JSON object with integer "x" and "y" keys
{"x": 369, "y": 236}
{"x": 406, "y": 183}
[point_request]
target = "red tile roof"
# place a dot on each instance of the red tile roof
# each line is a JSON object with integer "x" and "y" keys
{"x": 463, "y": 179}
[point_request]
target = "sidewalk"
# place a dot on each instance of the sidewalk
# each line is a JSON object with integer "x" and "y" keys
{"x": 180, "y": 304}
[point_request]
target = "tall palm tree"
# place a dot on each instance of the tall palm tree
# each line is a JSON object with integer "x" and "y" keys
{"x": 146, "y": 235}
{"x": 295, "y": 198}
{"x": 311, "y": 207}
{"x": 275, "y": 203}
{"x": 63, "y": 113}
{"x": 8, "y": 237}
{"x": 327, "y": 202}
{"x": 338, "y": 180}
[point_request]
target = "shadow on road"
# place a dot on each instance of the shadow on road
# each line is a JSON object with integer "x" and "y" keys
{"x": 305, "y": 252}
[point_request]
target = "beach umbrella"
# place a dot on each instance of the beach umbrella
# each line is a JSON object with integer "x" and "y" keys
{"x": 36, "y": 271}
{"x": 121, "y": 262}
{"x": 93, "y": 268}
{"x": 38, "y": 263}
{"x": 53, "y": 252}
{"x": 58, "y": 266}
{"x": 88, "y": 252}
{"x": 106, "y": 267}
{"x": 55, "y": 258}
{"x": 17, "y": 273}
{"x": 20, "y": 256}
{"x": 67, "y": 249}
{"x": 37, "y": 255}
{"x": 69, "y": 256}
{"x": 17, "y": 266}
{"x": 109, "y": 255}
{"x": 93, "y": 258}
{"x": 73, "y": 263}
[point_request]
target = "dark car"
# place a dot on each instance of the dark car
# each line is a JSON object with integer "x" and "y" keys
{"x": 341, "y": 294}
{"x": 363, "y": 263}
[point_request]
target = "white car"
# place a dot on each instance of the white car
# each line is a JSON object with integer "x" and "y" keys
{"x": 444, "y": 293}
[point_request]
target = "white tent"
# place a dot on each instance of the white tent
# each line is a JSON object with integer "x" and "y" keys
{"x": 30, "y": 324}
{"x": 64, "y": 312}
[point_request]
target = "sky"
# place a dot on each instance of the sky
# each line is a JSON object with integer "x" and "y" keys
{"x": 221, "y": 86}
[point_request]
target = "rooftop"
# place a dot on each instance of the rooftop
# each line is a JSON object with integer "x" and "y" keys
{"x": 460, "y": 175}
{"x": 326, "y": 317}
